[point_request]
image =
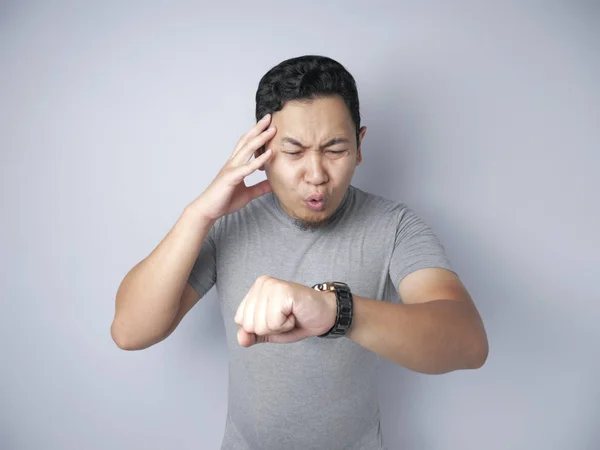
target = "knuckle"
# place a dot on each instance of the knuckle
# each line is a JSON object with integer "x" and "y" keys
{"x": 247, "y": 326}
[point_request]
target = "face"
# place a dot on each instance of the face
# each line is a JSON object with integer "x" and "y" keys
{"x": 314, "y": 157}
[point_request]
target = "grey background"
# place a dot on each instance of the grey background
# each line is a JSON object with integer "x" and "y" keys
{"x": 484, "y": 117}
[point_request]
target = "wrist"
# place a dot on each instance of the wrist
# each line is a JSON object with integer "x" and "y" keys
{"x": 195, "y": 212}
{"x": 344, "y": 307}
{"x": 332, "y": 309}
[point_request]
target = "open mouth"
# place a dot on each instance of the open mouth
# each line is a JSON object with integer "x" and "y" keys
{"x": 316, "y": 204}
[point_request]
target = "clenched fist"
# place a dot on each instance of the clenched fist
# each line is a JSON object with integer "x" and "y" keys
{"x": 282, "y": 312}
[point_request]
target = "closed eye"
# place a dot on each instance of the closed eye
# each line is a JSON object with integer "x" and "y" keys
{"x": 337, "y": 152}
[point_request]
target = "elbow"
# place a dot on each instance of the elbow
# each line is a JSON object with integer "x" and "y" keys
{"x": 123, "y": 340}
{"x": 119, "y": 338}
{"x": 478, "y": 352}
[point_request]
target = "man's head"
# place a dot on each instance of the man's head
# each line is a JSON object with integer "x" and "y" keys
{"x": 314, "y": 105}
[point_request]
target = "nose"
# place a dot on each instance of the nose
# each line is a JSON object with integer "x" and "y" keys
{"x": 315, "y": 172}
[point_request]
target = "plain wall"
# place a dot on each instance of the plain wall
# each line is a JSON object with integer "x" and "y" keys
{"x": 483, "y": 117}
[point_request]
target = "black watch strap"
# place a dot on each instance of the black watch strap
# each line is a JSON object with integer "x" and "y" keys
{"x": 345, "y": 308}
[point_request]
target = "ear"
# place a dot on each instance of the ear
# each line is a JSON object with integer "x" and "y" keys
{"x": 361, "y": 135}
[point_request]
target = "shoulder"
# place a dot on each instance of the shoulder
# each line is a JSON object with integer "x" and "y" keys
{"x": 377, "y": 205}
{"x": 393, "y": 214}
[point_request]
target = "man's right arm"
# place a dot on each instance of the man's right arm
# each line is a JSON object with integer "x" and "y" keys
{"x": 155, "y": 295}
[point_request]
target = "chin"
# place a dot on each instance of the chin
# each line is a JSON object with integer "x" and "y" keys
{"x": 311, "y": 224}
{"x": 312, "y": 221}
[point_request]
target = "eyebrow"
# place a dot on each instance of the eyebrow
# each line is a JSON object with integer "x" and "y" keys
{"x": 330, "y": 143}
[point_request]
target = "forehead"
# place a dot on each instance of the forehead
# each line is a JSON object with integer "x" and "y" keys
{"x": 314, "y": 118}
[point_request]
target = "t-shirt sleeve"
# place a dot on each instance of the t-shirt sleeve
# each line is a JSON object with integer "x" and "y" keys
{"x": 204, "y": 272}
{"x": 415, "y": 247}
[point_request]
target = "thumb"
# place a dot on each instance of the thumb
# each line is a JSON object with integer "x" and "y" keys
{"x": 246, "y": 339}
{"x": 295, "y": 335}
{"x": 289, "y": 324}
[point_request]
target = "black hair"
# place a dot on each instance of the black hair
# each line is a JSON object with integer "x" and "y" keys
{"x": 306, "y": 78}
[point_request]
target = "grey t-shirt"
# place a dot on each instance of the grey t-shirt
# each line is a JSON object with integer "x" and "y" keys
{"x": 316, "y": 393}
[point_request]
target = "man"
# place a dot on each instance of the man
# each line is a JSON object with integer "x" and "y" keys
{"x": 306, "y": 266}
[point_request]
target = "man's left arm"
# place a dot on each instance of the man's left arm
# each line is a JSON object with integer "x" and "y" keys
{"x": 436, "y": 330}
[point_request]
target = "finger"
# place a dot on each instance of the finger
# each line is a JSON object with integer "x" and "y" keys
{"x": 258, "y": 128}
{"x": 279, "y": 317}
{"x": 245, "y": 153}
{"x": 248, "y": 319}
{"x": 295, "y": 335}
{"x": 261, "y": 327}
{"x": 239, "y": 315}
{"x": 253, "y": 165}
{"x": 248, "y": 339}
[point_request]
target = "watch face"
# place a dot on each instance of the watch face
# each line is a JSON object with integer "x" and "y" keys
{"x": 330, "y": 286}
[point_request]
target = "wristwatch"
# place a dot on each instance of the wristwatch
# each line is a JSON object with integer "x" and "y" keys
{"x": 345, "y": 307}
